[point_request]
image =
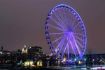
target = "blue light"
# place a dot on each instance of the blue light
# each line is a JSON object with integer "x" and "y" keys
{"x": 67, "y": 32}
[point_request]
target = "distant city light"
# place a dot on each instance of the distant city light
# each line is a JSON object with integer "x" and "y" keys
{"x": 79, "y": 62}
{"x": 39, "y": 63}
{"x": 24, "y": 49}
{"x": 28, "y": 63}
{"x": 64, "y": 59}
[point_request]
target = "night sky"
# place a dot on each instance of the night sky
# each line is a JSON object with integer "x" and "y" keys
{"x": 22, "y": 22}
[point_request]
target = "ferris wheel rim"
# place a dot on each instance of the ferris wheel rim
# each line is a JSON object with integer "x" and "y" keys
{"x": 46, "y": 27}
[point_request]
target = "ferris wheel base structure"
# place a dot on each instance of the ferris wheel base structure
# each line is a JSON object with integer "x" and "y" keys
{"x": 65, "y": 32}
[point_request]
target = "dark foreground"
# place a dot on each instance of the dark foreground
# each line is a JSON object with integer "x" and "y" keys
{"x": 30, "y": 69}
{"x": 96, "y": 67}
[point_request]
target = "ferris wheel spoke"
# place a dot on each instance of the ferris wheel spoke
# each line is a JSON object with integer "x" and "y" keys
{"x": 70, "y": 22}
{"x": 68, "y": 50}
{"x": 55, "y": 27}
{"x": 59, "y": 16}
{"x": 56, "y": 39}
{"x": 67, "y": 22}
{"x": 80, "y": 45}
{"x": 60, "y": 45}
{"x": 79, "y": 34}
{"x": 60, "y": 20}
{"x": 71, "y": 44}
{"x": 64, "y": 18}
{"x": 57, "y": 22}
{"x": 75, "y": 23}
{"x": 56, "y": 33}
{"x": 61, "y": 48}
{"x": 74, "y": 44}
{"x": 73, "y": 19}
{"x": 63, "y": 52}
{"x": 78, "y": 38}
{"x": 78, "y": 49}
{"x": 74, "y": 27}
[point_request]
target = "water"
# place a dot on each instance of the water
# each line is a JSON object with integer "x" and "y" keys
{"x": 97, "y": 67}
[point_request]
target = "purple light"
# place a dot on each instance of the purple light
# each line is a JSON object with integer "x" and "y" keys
{"x": 66, "y": 31}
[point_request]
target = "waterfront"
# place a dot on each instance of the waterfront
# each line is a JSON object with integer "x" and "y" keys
{"x": 96, "y": 67}
{"x": 22, "y": 43}
{"x": 34, "y": 59}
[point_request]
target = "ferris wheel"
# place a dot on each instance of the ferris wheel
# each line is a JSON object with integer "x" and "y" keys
{"x": 65, "y": 32}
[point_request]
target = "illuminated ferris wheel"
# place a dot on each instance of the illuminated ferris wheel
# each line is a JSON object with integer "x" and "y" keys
{"x": 65, "y": 32}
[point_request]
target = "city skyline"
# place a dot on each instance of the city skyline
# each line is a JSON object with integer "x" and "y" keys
{"x": 22, "y": 22}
